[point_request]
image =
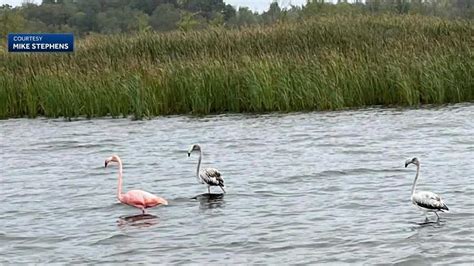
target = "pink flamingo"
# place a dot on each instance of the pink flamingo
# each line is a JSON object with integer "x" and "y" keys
{"x": 136, "y": 198}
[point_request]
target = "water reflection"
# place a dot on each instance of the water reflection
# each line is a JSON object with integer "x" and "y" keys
{"x": 427, "y": 224}
{"x": 139, "y": 220}
{"x": 210, "y": 201}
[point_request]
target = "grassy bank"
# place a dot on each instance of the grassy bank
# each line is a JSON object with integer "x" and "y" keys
{"x": 321, "y": 64}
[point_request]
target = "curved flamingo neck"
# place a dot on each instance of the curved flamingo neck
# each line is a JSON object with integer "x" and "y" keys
{"x": 199, "y": 165}
{"x": 119, "y": 188}
{"x": 416, "y": 179}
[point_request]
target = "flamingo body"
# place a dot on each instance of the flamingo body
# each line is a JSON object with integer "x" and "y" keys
{"x": 141, "y": 199}
{"x": 428, "y": 201}
{"x": 211, "y": 177}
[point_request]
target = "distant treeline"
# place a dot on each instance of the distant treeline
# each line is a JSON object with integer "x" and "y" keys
{"x": 129, "y": 16}
{"x": 323, "y": 63}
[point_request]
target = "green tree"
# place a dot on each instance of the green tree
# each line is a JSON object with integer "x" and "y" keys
{"x": 148, "y": 6}
{"x": 273, "y": 14}
{"x": 244, "y": 17}
{"x": 217, "y": 20}
{"x": 11, "y": 20}
{"x": 50, "y": 14}
{"x": 121, "y": 20}
{"x": 123, "y": 16}
{"x": 229, "y": 12}
{"x": 165, "y": 18}
{"x": 205, "y": 8}
{"x": 187, "y": 21}
{"x": 143, "y": 22}
{"x": 81, "y": 22}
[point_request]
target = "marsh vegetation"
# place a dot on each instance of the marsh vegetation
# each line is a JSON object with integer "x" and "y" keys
{"x": 322, "y": 63}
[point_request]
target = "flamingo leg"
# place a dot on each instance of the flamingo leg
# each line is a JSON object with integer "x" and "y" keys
{"x": 209, "y": 189}
{"x": 222, "y": 189}
{"x": 437, "y": 216}
{"x": 143, "y": 211}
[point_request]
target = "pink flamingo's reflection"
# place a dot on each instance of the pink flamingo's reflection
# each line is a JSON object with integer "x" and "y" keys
{"x": 140, "y": 220}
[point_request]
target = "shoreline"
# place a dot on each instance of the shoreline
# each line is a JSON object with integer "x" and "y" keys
{"x": 249, "y": 115}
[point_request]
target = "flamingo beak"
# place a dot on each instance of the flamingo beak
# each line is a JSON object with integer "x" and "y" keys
{"x": 189, "y": 154}
{"x": 106, "y": 163}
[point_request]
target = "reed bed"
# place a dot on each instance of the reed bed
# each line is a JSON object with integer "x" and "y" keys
{"x": 326, "y": 63}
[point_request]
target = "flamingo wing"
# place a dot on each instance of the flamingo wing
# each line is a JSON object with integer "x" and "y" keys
{"x": 212, "y": 176}
{"x": 429, "y": 200}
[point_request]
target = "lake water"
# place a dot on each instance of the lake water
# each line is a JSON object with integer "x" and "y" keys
{"x": 320, "y": 187}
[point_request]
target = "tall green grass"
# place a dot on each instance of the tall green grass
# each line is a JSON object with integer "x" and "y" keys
{"x": 321, "y": 64}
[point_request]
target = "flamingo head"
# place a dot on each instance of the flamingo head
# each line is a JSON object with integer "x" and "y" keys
{"x": 412, "y": 161}
{"x": 113, "y": 158}
{"x": 195, "y": 147}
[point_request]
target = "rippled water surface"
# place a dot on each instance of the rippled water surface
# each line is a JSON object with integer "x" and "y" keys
{"x": 326, "y": 187}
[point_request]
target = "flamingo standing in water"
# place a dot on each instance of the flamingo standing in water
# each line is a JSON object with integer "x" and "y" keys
{"x": 208, "y": 176}
{"x": 136, "y": 198}
{"x": 426, "y": 201}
